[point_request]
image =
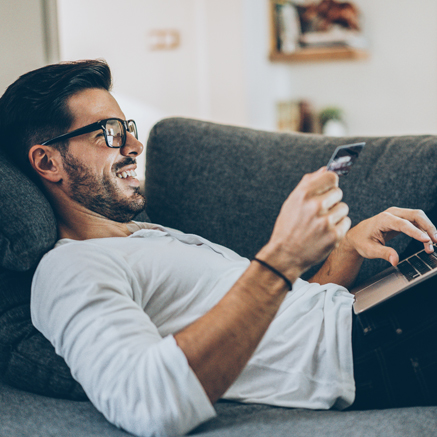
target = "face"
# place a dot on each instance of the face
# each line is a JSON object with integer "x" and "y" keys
{"x": 96, "y": 176}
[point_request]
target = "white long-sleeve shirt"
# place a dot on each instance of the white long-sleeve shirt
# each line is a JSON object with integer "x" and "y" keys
{"x": 110, "y": 307}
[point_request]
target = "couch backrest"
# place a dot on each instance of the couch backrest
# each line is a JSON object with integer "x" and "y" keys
{"x": 228, "y": 183}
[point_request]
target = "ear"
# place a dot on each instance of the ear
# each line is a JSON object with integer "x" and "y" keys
{"x": 47, "y": 162}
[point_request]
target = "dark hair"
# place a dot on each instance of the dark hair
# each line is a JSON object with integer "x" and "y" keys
{"x": 34, "y": 108}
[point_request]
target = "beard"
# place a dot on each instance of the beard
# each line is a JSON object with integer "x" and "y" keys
{"x": 101, "y": 194}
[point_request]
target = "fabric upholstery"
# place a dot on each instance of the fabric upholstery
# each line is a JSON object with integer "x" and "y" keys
{"x": 228, "y": 183}
{"x": 24, "y": 414}
{"x": 27, "y": 223}
{"x": 261, "y": 420}
{"x": 27, "y": 414}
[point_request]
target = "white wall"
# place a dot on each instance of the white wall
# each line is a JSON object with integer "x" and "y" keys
{"x": 22, "y": 40}
{"x": 221, "y": 71}
{"x": 162, "y": 83}
{"x": 392, "y": 93}
{"x": 225, "y": 62}
{"x": 192, "y": 80}
{"x": 202, "y": 78}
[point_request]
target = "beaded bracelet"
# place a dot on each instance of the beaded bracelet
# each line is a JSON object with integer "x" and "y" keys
{"x": 276, "y": 272}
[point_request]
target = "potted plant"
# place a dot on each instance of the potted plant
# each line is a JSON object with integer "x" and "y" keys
{"x": 331, "y": 122}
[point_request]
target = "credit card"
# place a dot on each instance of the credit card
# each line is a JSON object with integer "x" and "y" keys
{"x": 344, "y": 158}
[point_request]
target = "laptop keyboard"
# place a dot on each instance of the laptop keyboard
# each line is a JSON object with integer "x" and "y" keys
{"x": 418, "y": 265}
{"x": 431, "y": 260}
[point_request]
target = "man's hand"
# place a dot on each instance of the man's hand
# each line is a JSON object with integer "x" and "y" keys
{"x": 367, "y": 240}
{"x": 369, "y": 237}
{"x": 311, "y": 223}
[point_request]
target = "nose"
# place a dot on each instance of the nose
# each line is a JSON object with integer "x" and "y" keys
{"x": 132, "y": 147}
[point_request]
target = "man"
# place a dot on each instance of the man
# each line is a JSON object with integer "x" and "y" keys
{"x": 158, "y": 325}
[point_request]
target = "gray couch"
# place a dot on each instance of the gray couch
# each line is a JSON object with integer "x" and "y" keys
{"x": 226, "y": 184}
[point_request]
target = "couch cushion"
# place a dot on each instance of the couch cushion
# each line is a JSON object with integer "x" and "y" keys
{"x": 27, "y": 414}
{"x": 246, "y": 420}
{"x": 228, "y": 183}
{"x": 27, "y": 223}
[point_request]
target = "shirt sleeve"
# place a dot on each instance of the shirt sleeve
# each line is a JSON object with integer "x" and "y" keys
{"x": 138, "y": 380}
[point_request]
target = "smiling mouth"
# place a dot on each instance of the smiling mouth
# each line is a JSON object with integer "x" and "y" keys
{"x": 127, "y": 174}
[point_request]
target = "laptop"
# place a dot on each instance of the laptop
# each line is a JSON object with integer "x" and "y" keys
{"x": 394, "y": 280}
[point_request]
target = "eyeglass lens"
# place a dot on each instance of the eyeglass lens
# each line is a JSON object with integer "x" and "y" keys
{"x": 116, "y": 134}
{"x": 132, "y": 128}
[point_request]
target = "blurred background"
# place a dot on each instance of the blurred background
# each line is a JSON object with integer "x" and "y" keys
{"x": 243, "y": 62}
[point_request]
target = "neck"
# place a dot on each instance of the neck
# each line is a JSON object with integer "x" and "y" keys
{"x": 85, "y": 226}
{"x": 79, "y": 223}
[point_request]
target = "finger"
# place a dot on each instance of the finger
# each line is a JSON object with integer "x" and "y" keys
{"x": 332, "y": 239}
{"x": 392, "y": 256}
{"x": 319, "y": 183}
{"x": 405, "y": 226}
{"x": 343, "y": 226}
{"x": 377, "y": 250}
{"x": 425, "y": 224}
{"x": 419, "y": 218}
{"x": 338, "y": 213}
{"x": 330, "y": 199}
{"x": 429, "y": 247}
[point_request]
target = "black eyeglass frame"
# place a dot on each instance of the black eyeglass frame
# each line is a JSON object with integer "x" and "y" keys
{"x": 101, "y": 124}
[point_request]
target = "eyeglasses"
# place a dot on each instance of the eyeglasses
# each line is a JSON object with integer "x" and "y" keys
{"x": 114, "y": 130}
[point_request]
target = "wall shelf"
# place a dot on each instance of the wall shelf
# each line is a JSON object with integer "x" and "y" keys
{"x": 320, "y": 54}
{"x": 308, "y": 54}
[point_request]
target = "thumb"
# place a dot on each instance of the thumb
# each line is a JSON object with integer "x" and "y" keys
{"x": 391, "y": 256}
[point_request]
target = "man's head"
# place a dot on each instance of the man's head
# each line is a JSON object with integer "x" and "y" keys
{"x": 59, "y": 99}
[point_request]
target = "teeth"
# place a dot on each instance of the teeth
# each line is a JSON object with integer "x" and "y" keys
{"x": 125, "y": 174}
